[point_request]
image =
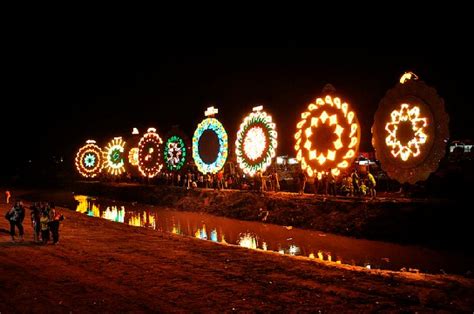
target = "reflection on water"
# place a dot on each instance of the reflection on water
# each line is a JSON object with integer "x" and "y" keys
{"x": 248, "y": 240}
{"x": 284, "y": 240}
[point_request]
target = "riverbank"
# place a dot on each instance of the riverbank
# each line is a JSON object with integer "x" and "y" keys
{"x": 103, "y": 266}
{"x": 437, "y": 223}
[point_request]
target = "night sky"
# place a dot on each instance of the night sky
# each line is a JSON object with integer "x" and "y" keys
{"x": 80, "y": 92}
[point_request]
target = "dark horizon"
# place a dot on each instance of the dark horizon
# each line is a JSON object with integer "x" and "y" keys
{"x": 77, "y": 95}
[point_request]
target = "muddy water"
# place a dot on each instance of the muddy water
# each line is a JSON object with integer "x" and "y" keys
{"x": 285, "y": 240}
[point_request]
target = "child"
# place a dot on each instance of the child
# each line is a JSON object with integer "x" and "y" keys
{"x": 44, "y": 227}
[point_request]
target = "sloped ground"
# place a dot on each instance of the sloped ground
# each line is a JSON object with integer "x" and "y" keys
{"x": 101, "y": 266}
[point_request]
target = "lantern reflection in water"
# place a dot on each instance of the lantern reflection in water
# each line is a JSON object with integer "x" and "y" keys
{"x": 248, "y": 241}
{"x": 142, "y": 220}
{"x": 149, "y": 219}
{"x": 214, "y": 235}
{"x": 113, "y": 213}
{"x": 201, "y": 233}
{"x": 87, "y": 206}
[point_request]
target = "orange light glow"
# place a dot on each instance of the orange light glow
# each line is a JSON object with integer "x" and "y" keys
{"x": 410, "y": 114}
{"x": 248, "y": 241}
{"x": 336, "y": 151}
{"x": 114, "y": 161}
{"x": 133, "y": 156}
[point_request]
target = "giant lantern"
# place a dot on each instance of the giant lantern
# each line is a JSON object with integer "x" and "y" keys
{"x": 114, "y": 156}
{"x": 256, "y": 142}
{"x": 133, "y": 148}
{"x": 149, "y": 154}
{"x": 210, "y": 144}
{"x": 328, "y": 135}
{"x": 176, "y": 149}
{"x": 89, "y": 160}
{"x": 410, "y": 130}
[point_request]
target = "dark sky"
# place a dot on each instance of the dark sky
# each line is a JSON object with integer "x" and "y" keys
{"x": 64, "y": 95}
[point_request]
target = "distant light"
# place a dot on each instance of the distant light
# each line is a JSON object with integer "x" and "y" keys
{"x": 280, "y": 160}
{"x": 90, "y": 142}
{"x": 408, "y": 76}
{"x": 151, "y": 130}
{"x": 211, "y": 111}
{"x": 292, "y": 161}
{"x": 258, "y": 108}
{"x": 135, "y": 131}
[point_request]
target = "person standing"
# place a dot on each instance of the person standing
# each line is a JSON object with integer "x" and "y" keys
{"x": 7, "y": 196}
{"x": 35, "y": 221}
{"x": 44, "y": 220}
{"x": 355, "y": 182}
{"x": 331, "y": 182}
{"x": 276, "y": 183}
{"x": 372, "y": 184}
{"x": 302, "y": 181}
{"x": 15, "y": 216}
{"x": 54, "y": 227}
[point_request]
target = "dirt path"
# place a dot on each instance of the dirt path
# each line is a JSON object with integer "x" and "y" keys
{"x": 101, "y": 266}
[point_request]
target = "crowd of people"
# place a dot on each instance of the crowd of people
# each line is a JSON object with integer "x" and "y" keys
{"x": 353, "y": 183}
{"x": 190, "y": 179}
{"x": 44, "y": 221}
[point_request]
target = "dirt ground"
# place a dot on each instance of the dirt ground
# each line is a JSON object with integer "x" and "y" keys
{"x": 102, "y": 266}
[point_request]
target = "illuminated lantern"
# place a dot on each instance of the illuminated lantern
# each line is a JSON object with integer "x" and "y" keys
{"x": 410, "y": 130}
{"x": 114, "y": 156}
{"x": 176, "y": 149}
{"x": 89, "y": 160}
{"x": 175, "y": 152}
{"x": 149, "y": 154}
{"x": 327, "y": 136}
{"x": 132, "y": 152}
{"x": 210, "y": 144}
{"x": 133, "y": 156}
{"x": 256, "y": 142}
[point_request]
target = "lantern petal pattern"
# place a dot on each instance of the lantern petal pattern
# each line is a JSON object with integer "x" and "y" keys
{"x": 89, "y": 160}
{"x": 327, "y": 136}
{"x": 175, "y": 153}
{"x": 114, "y": 159}
{"x": 256, "y": 142}
{"x": 410, "y": 130}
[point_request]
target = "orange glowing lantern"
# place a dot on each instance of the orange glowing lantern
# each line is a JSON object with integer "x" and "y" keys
{"x": 327, "y": 136}
{"x": 149, "y": 154}
{"x": 113, "y": 153}
{"x": 410, "y": 130}
{"x": 89, "y": 161}
{"x": 133, "y": 156}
